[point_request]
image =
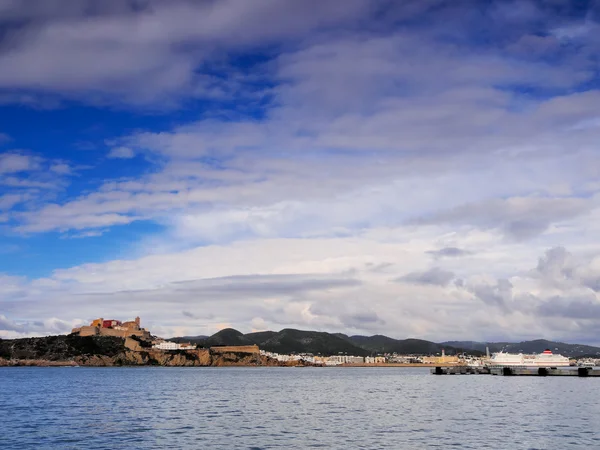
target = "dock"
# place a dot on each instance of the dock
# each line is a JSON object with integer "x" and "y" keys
{"x": 460, "y": 370}
{"x": 518, "y": 371}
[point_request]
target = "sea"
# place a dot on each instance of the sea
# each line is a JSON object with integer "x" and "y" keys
{"x": 292, "y": 408}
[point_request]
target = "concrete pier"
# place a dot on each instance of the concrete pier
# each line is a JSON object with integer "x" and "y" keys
{"x": 547, "y": 371}
{"x": 519, "y": 371}
{"x": 459, "y": 370}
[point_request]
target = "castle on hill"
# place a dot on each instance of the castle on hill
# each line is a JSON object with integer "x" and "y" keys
{"x": 111, "y": 327}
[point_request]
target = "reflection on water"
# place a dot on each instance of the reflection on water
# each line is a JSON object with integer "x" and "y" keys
{"x": 295, "y": 408}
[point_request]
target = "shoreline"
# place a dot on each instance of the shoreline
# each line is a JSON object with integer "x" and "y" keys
{"x": 392, "y": 365}
{"x": 46, "y": 363}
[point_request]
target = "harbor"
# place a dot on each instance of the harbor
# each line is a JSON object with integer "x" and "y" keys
{"x": 518, "y": 371}
{"x": 544, "y": 364}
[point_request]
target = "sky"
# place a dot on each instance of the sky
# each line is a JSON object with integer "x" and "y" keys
{"x": 425, "y": 168}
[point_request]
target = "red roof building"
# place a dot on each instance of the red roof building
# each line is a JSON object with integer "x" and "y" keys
{"x": 110, "y": 323}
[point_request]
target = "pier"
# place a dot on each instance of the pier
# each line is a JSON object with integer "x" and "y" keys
{"x": 519, "y": 371}
{"x": 460, "y": 370}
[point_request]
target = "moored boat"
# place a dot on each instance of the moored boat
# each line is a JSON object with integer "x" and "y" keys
{"x": 544, "y": 359}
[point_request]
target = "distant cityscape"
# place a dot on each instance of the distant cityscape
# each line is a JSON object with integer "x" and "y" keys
{"x": 131, "y": 329}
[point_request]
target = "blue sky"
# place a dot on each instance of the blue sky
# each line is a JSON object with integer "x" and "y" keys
{"x": 421, "y": 168}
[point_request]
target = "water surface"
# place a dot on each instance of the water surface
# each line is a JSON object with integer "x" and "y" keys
{"x": 293, "y": 408}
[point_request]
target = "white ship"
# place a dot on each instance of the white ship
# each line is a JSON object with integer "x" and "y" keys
{"x": 544, "y": 359}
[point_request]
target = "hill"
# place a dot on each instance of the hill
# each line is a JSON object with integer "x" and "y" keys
{"x": 193, "y": 339}
{"x": 285, "y": 341}
{"x": 300, "y": 341}
{"x": 227, "y": 336}
{"x": 384, "y": 344}
{"x": 260, "y": 336}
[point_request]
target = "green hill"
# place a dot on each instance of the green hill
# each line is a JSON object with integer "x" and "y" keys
{"x": 260, "y": 336}
{"x": 300, "y": 341}
{"x": 227, "y": 336}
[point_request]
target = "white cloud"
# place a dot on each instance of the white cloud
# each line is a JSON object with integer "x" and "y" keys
{"x": 324, "y": 283}
{"x": 105, "y": 55}
{"x": 318, "y": 149}
{"x": 10, "y": 329}
{"x": 61, "y": 168}
{"x": 404, "y": 153}
{"x": 9, "y": 200}
{"x": 121, "y": 153}
{"x": 14, "y": 162}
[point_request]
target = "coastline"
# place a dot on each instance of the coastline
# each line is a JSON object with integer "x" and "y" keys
{"x": 390, "y": 365}
{"x": 242, "y": 363}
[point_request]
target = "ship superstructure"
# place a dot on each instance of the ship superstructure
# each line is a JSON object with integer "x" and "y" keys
{"x": 544, "y": 359}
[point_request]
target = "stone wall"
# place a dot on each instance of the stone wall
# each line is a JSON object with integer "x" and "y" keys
{"x": 87, "y": 331}
{"x": 95, "y": 331}
{"x": 236, "y": 349}
{"x": 123, "y": 333}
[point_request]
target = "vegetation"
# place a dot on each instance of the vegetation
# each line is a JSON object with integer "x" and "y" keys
{"x": 143, "y": 342}
{"x": 227, "y": 336}
{"x": 58, "y": 348}
{"x": 298, "y": 341}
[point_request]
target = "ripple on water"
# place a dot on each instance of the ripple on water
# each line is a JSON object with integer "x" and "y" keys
{"x": 260, "y": 409}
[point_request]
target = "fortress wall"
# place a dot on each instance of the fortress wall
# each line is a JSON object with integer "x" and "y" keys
{"x": 88, "y": 331}
{"x": 113, "y": 332}
{"x": 236, "y": 349}
{"x": 141, "y": 333}
{"x": 130, "y": 325}
{"x": 123, "y": 333}
{"x": 95, "y": 331}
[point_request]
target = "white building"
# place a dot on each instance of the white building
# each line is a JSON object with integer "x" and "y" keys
{"x": 166, "y": 345}
{"x": 374, "y": 359}
{"x": 346, "y": 359}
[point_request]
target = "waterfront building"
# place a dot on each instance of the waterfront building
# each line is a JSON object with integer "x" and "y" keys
{"x": 375, "y": 360}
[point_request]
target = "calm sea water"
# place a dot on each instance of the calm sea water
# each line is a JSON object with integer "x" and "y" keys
{"x": 293, "y": 408}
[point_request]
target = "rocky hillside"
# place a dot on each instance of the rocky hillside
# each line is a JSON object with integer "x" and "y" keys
{"x": 113, "y": 351}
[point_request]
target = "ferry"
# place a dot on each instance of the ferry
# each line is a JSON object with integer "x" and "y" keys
{"x": 544, "y": 359}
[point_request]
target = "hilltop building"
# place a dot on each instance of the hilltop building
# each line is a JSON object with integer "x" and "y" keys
{"x": 111, "y": 327}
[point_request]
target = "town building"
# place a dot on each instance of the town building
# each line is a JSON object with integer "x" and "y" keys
{"x": 375, "y": 360}
{"x": 346, "y": 359}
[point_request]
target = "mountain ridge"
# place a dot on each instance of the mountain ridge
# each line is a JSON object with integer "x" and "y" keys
{"x": 291, "y": 340}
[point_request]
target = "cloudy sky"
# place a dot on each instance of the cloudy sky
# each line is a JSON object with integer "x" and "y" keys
{"x": 422, "y": 168}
